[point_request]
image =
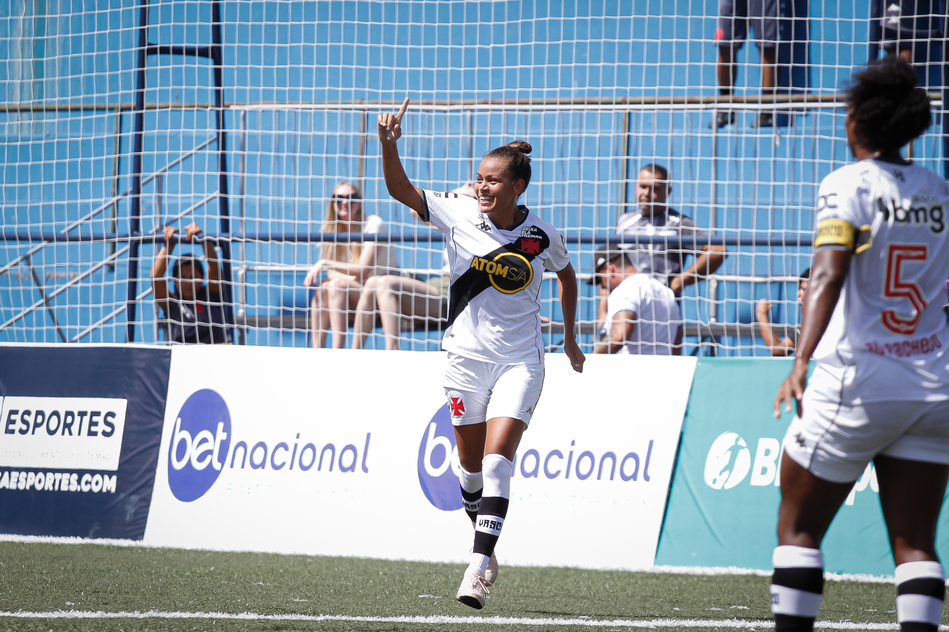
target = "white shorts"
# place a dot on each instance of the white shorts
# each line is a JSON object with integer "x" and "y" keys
{"x": 835, "y": 439}
{"x": 478, "y": 391}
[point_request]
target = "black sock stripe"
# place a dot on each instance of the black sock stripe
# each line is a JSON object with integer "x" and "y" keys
{"x": 471, "y": 496}
{"x": 806, "y": 579}
{"x": 494, "y": 506}
{"x": 791, "y": 623}
{"x": 928, "y": 586}
{"x": 917, "y": 626}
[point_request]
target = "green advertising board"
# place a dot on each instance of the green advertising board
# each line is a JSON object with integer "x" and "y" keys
{"x": 723, "y": 506}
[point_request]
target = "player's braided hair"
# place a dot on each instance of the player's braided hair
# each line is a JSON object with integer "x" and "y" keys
{"x": 518, "y": 163}
{"x": 888, "y": 109}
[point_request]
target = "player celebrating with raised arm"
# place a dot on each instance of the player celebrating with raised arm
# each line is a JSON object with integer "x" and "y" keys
{"x": 873, "y": 320}
{"x": 497, "y": 252}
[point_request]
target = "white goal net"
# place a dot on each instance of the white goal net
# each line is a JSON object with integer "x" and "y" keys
{"x": 111, "y": 129}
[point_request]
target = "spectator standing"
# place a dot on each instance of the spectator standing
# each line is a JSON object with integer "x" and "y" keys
{"x": 873, "y": 321}
{"x": 642, "y": 313}
{"x": 784, "y": 346}
{"x": 498, "y": 251}
{"x": 345, "y": 266}
{"x": 734, "y": 19}
{"x": 910, "y": 23}
{"x": 195, "y": 311}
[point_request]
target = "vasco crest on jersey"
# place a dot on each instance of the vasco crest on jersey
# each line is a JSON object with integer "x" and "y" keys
{"x": 532, "y": 241}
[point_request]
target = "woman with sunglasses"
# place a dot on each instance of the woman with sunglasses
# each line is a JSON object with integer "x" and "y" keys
{"x": 339, "y": 275}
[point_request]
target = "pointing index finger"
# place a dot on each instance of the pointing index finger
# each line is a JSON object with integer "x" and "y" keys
{"x": 405, "y": 106}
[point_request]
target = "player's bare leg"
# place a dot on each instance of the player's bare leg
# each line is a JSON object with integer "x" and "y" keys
{"x": 911, "y": 495}
{"x": 497, "y": 441}
{"x": 808, "y": 506}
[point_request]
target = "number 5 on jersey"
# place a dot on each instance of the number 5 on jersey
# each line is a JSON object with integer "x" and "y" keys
{"x": 897, "y": 287}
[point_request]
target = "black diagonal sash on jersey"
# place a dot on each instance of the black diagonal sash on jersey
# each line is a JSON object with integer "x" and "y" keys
{"x": 474, "y": 281}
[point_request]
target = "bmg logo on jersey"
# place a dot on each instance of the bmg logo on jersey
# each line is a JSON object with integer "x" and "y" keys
{"x": 438, "y": 463}
{"x": 199, "y": 446}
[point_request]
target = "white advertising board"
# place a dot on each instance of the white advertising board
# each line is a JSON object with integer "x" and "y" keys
{"x": 345, "y": 452}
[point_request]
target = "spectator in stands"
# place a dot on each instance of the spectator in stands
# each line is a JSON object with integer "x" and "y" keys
{"x": 339, "y": 275}
{"x": 195, "y": 311}
{"x": 734, "y": 19}
{"x": 398, "y": 298}
{"x": 654, "y": 219}
{"x": 910, "y": 23}
{"x": 784, "y": 346}
{"x": 642, "y": 313}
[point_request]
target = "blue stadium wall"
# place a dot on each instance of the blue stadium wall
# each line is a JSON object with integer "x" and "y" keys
{"x": 54, "y": 173}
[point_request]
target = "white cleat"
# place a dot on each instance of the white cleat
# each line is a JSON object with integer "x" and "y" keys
{"x": 491, "y": 573}
{"x": 473, "y": 590}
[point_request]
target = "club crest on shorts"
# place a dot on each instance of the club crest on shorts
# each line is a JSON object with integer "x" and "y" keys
{"x": 457, "y": 406}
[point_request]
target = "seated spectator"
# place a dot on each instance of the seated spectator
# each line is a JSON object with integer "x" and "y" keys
{"x": 401, "y": 298}
{"x": 654, "y": 219}
{"x": 345, "y": 266}
{"x": 784, "y": 346}
{"x": 642, "y": 313}
{"x": 195, "y": 311}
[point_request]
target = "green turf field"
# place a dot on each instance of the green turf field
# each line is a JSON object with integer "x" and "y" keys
{"x": 135, "y": 588}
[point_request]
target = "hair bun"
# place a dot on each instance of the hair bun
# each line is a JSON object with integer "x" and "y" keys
{"x": 522, "y": 146}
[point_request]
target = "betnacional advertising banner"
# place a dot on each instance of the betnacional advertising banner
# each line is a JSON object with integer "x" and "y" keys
{"x": 79, "y": 437}
{"x": 723, "y": 508}
{"x": 331, "y": 452}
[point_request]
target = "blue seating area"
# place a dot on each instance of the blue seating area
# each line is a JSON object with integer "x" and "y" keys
{"x": 598, "y": 95}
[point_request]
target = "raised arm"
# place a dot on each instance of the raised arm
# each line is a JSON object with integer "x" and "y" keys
{"x": 567, "y": 284}
{"x": 214, "y": 267}
{"x": 397, "y": 182}
{"x": 160, "y": 267}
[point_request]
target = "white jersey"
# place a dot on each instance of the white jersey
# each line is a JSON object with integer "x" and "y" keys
{"x": 891, "y": 305}
{"x": 494, "y": 298}
{"x": 656, "y": 310}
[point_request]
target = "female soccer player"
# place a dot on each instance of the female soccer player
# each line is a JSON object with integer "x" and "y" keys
{"x": 873, "y": 321}
{"x": 497, "y": 253}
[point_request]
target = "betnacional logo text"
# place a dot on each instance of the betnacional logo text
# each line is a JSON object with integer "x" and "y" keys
{"x": 438, "y": 464}
{"x": 204, "y": 444}
{"x": 75, "y": 433}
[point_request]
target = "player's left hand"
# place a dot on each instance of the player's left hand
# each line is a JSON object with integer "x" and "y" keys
{"x": 572, "y": 349}
{"x": 792, "y": 388}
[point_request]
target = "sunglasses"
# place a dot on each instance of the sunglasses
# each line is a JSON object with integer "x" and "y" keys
{"x": 351, "y": 197}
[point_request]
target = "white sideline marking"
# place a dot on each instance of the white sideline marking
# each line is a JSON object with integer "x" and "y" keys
{"x": 441, "y": 620}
